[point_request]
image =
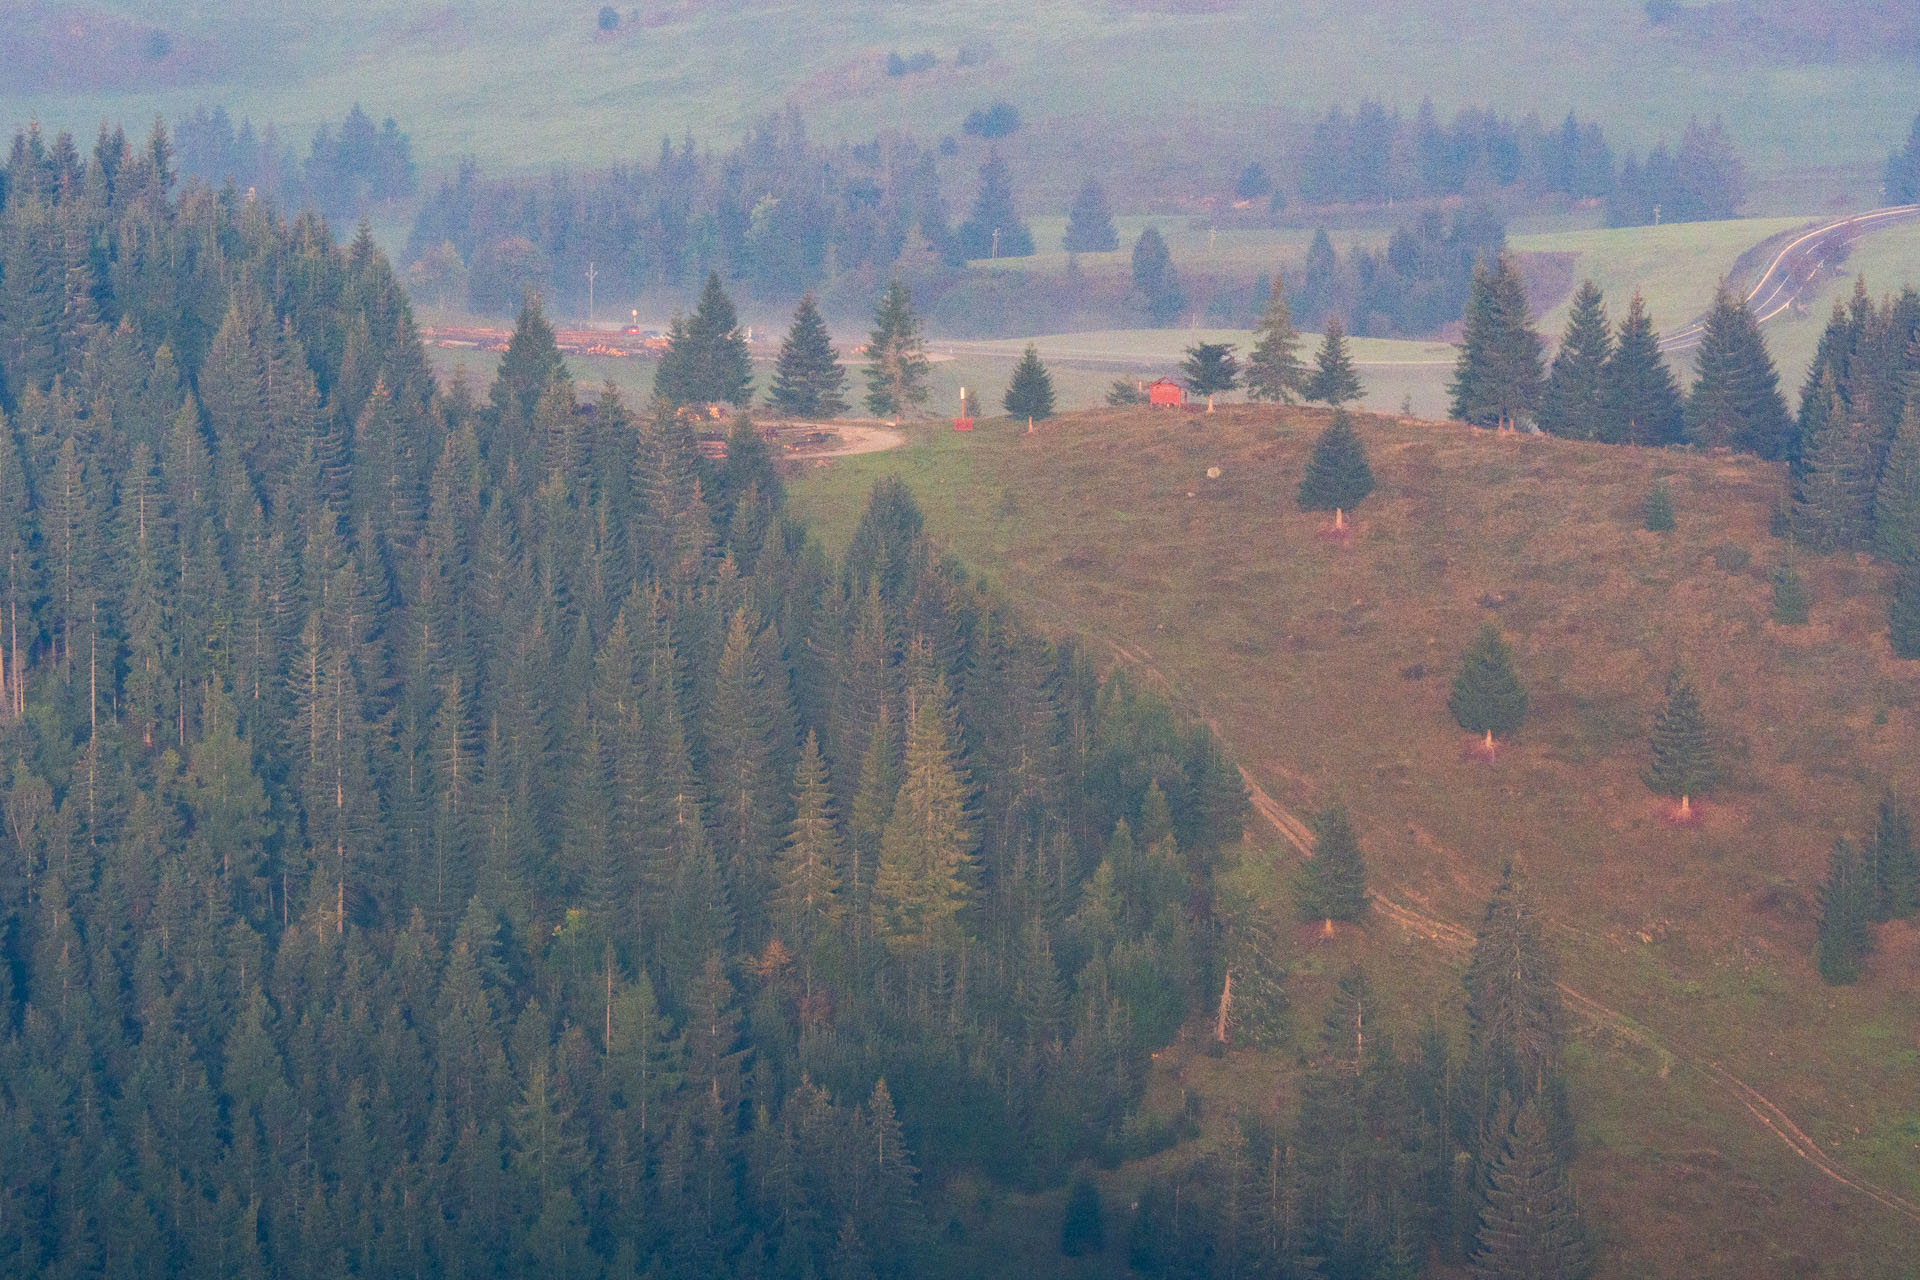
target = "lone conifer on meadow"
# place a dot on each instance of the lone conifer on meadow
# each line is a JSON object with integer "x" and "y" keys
{"x": 1274, "y": 370}
{"x": 1333, "y": 380}
{"x": 1487, "y": 696}
{"x": 1846, "y": 908}
{"x": 1682, "y": 764}
{"x": 1657, "y": 510}
{"x": 808, "y": 379}
{"x": 1790, "y": 601}
{"x": 1895, "y": 865}
{"x": 1337, "y": 476}
{"x": 1030, "y": 393}
{"x": 1572, "y": 404}
{"x": 1333, "y": 882}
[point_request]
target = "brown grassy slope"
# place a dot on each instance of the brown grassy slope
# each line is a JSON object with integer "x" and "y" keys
{"x": 1304, "y": 654}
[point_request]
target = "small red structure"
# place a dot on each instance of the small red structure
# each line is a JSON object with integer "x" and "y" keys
{"x": 1165, "y": 393}
{"x": 963, "y": 424}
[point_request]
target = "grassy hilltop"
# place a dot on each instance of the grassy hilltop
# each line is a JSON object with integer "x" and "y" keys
{"x": 1147, "y": 87}
{"x": 1327, "y": 670}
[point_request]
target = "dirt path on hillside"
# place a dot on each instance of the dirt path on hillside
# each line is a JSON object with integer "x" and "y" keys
{"x": 849, "y": 438}
{"x": 1458, "y": 938}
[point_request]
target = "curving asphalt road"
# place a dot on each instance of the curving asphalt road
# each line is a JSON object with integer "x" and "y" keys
{"x": 1795, "y": 271}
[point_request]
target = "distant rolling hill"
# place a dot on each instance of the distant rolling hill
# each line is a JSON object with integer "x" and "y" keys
{"x": 1175, "y": 94}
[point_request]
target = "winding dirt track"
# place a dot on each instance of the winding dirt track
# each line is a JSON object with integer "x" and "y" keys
{"x": 1795, "y": 270}
{"x": 1458, "y": 938}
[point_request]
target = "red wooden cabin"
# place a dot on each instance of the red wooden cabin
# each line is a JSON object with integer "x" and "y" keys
{"x": 1165, "y": 393}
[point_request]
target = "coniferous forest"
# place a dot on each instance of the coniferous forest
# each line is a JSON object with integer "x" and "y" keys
{"x": 466, "y": 832}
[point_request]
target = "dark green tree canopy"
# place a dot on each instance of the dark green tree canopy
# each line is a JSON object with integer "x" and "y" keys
{"x": 1641, "y": 402}
{"x": 1333, "y": 883}
{"x": 1682, "y": 749}
{"x": 1487, "y": 696}
{"x": 1030, "y": 393}
{"x": 1337, "y": 475}
{"x": 993, "y": 229}
{"x": 896, "y": 356}
{"x": 1210, "y": 368}
{"x": 1530, "y": 1228}
{"x": 1846, "y": 913}
{"x": 1274, "y": 370}
{"x": 706, "y": 359}
{"x": 1090, "y": 222}
{"x": 808, "y": 381}
{"x": 1573, "y": 404}
{"x": 1333, "y": 380}
{"x": 1736, "y": 400}
{"x": 1497, "y": 379}
{"x": 1155, "y": 278}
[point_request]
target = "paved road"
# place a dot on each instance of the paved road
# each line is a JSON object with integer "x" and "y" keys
{"x": 1795, "y": 271}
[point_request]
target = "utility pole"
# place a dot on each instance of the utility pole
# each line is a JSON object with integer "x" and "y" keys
{"x": 1656, "y": 215}
{"x": 996, "y": 242}
{"x": 589, "y": 295}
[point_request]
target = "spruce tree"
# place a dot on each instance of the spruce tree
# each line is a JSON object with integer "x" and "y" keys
{"x": 1572, "y": 404}
{"x": 1846, "y": 912}
{"x": 993, "y": 229}
{"x": 1497, "y": 379}
{"x": 1210, "y": 368}
{"x": 1790, "y": 602}
{"x": 1682, "y": 751}
{"x": 1333, "y": 380}
{"x": 1156, "y": 279}
{"x": 1515, "y": 1021}
{"x": 1736, "y": 400}
{"x": 808, "y": 380}
{"x": 1903, "y": 614}
{"x": 1081, "y": 1230}
{"x": 926, "y": 849}
{"x": 1333, "y": 883}
{"x": 1090, "y": 222}
{"x": 1833, "y": 496}
{"x": 706, "y": 359}
{"x": 1030, "y": 393}
{"x": 1896, "y": 499}
{"x": 1640, "y": 403}
{"x": 1530, "y": 1228}
{"x": 1487, "y": 696}
{"x": 896, "y": 356}
{"x": 1895, "y": 864}
{"x": 1657, "y": 511}
{"x": 1274, "y": 370}
{"x": 1337, "y": 475}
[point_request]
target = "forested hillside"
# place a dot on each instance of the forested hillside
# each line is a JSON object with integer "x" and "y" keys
{"x": 467, "y": 832}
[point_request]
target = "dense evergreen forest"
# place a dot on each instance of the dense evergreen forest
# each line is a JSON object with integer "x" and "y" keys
{"x": 454, "y": 833}
{"x": 1376, "y": 155}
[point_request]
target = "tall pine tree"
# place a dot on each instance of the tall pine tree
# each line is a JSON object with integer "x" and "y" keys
{"x": 896, "y": 357}
{"x": 1572, "y": 404}
{"x": 1640, "y": 402}
{"x": 1274, "y": 371}
{"x": 1333, "y": 380}
{"x": 1497, "y": 379}
{"x": 1736, "y": 400}
{"x": 807, "y": 379}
